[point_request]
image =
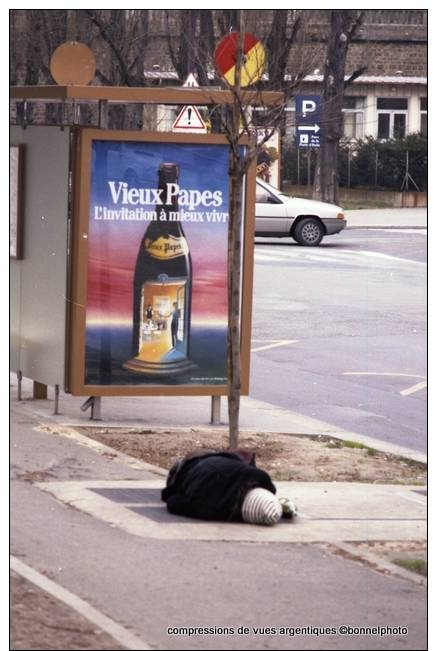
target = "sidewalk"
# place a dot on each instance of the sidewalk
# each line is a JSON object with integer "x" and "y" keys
{"x": 185, "y": 412}
{"x": 91, "y": 520}
{"x": 387, "y": 218}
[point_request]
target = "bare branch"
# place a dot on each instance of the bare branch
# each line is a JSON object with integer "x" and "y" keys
{"x": 355, "y": 26}
{"x": 104, "y": 30}
{"x": 357, "y": 73}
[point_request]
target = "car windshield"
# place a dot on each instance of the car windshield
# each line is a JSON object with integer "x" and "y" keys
{"x": 274, "y": 190}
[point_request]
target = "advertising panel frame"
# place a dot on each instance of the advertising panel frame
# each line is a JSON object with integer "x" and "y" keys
{"x": 16, "y": 185}
{"x": 78, "y": 270}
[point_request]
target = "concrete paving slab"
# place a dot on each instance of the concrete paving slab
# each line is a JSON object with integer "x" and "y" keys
{"x": 327, "y": 512}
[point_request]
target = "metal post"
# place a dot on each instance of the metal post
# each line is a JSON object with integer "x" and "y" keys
{"x": 376, "y": 168}
{"x": 298, "y": 166}
{"x": 19, "y": 380}
{"x": 215, "y": 410}
{"x": 95, "y": 404}
{"x": 63, "y": 117}
{"x": 103, "y": 114}
{"x": 309, "y": 168}
{"x": 349, "y": 167}
{"x": 76, "y": 113}
{"x": 24, "y": 117}
{"x": 407, "y": 169}
{"x": 56, "y": 411}
{"x": 96, "y": 408}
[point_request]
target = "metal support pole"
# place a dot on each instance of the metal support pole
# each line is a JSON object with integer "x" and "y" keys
{"x": 63, "y": 117}
{"x": 95, "y": 403}
{"x": 56, "y": 411}
{"x": 349, "y": 167}
{"x": 103, "y": 114}
{"x": 376, "y": 168}
{"x": 407, "y": 170}
{"x": 298, "y": 166}
{"x": 76, "y": 113}
{"x": 309, "y": 168}
{"x": 19, "y": 381}
{"x": 24, "y": 117}
{"x": 215, "y": 410}
{"x": 96, "y": 408}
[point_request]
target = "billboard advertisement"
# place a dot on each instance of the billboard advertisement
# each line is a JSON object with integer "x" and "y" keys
{"x": 155, "y": 309}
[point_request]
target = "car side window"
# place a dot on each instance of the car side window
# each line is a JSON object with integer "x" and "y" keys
{"x": 264, "y": 196}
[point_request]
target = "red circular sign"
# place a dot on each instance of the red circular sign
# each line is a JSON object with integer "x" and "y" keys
{"x": 226, "y": 53}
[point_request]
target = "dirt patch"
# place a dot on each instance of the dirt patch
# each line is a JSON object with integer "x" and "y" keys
{"x": 410, "y": 555}
{"x": 39, "y": 621}
{"x": 284, "y": 457}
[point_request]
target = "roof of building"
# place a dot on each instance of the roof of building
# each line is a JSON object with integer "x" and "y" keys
{"x": 362, "y": 79}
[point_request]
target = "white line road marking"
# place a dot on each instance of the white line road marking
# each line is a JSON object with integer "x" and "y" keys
{"x": 385, "y": 256}
{"x": 345, "y": 256}
{"x": 393, "y": 374}
{"x": 414, "y": 388}
{"x": 284, "y": 342}
{"x": 262, "y": 257}
{"x": 118, "y": 632}
{"x": 408, "y": 231}
{"x": 405, "y": 392}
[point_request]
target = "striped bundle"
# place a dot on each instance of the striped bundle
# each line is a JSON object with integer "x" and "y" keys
{"x": 260, "y": 506}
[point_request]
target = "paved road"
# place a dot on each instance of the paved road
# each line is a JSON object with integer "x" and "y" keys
{"x": 355, "y": 310}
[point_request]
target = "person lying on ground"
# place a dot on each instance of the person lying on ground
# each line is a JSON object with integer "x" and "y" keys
{"x": 224, "y": 486}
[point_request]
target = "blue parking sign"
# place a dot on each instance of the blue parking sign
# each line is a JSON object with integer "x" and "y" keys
{"x": 308, "y": 120}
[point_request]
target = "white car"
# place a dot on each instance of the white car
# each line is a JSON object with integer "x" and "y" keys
{"x": 306, "y": 221}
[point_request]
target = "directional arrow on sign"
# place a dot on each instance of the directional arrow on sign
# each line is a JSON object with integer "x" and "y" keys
{"x": 314, "y": 127}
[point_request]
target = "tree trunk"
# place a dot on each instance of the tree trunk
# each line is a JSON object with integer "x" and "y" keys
{"x": 234, "y": 281}
{"x": 236, "y": 174}
{"x": 343, "y": 23}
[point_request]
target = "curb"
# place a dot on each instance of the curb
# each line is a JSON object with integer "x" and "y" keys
{"x": 381, "y": 227}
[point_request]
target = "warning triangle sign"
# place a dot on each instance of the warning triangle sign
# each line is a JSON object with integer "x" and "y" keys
{"x": 189, "y": 120}
{"x": 190, "y": 82}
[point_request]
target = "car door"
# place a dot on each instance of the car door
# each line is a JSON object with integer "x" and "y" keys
{"x": 270, "y": 213}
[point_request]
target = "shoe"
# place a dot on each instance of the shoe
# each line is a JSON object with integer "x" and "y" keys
{"x": 289, "y": 509}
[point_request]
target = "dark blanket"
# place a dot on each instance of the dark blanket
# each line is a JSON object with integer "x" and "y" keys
{"x": 213, "y": 486}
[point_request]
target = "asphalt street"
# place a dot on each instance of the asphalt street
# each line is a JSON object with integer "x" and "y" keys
{"x": 339, "y": 331}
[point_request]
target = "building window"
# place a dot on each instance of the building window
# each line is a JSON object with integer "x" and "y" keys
{"x": 353, "y": 117}
{"x": 392, "y": 117}
{"x": 424, "y": 115}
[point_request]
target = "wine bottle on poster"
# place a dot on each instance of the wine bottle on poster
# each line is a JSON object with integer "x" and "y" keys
{"x": 162, "y": 288}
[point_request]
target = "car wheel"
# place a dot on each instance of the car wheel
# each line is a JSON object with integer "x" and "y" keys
{"x": 308, "y": 232}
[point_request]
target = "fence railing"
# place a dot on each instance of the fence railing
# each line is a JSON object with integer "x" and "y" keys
{"x": 371, "y": 165}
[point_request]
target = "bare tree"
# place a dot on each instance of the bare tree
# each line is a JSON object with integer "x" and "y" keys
{"x": 190, "y": 40}
{"x": 237, "y": 121}
{"x": 344, "y": 25}
{"x": 285, "y": 26}
{"x": 120, "y": 36}
{"x": 281, "y": 34}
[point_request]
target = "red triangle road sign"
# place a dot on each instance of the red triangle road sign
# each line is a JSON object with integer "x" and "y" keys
{"x": 189, "y": 119}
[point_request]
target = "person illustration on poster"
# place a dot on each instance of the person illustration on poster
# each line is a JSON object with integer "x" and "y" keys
{"x": 175, "y": 316}
{"x": 149, "y": 313}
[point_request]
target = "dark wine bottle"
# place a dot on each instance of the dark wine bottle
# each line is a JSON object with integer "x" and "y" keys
{"x": 162, "y": 289}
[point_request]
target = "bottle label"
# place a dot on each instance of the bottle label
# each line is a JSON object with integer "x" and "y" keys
{"x": 166, "y": 248}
